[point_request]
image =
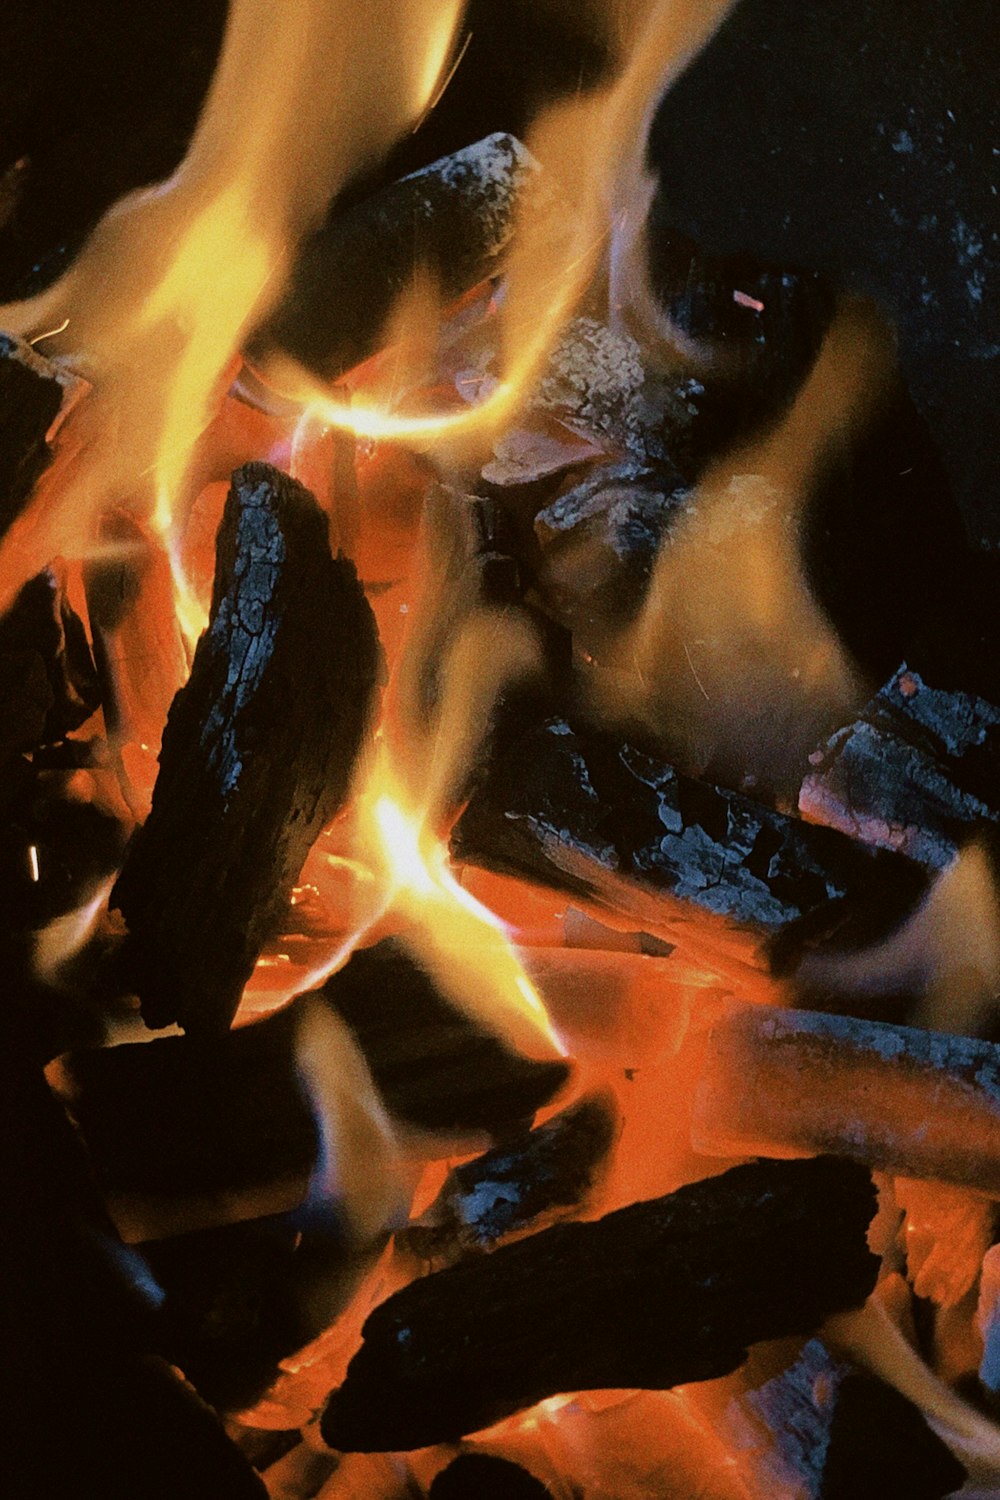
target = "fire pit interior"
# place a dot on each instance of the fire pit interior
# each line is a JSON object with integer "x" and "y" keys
{"x": 501, "y": 750}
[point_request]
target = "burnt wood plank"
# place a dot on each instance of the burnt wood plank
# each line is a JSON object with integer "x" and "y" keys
{"x": 257, "y": 754}
{"x": 661, "y": 1293}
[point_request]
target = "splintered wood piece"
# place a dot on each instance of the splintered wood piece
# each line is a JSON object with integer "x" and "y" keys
{"x": 452, "y": 220}
{"x": 434, "y": 1067}
{"x": 31, "y": 394}
{"x": 661, "y": 1293}
{"x": 608, "y": 823}
{"x": 257, "y": 755}
{"x": 916, "y": 1102}
{"x": 537, "y": 1176}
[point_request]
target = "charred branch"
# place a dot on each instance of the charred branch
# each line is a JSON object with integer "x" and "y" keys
{"x": 257, "y": 755}
{"x": 608, "y": 823}
{"x": 48, "y": 682}
{"x": 452, "y": 220}
{"x": 668, "y": 1291}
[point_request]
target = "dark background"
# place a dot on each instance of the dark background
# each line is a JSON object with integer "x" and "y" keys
{"x": 859, "y": 138}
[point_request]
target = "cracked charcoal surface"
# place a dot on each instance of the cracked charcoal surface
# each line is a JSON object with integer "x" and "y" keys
{"x": 654, "y": 1295}
{"x": 31, "y": 394}
{"x": 257, "y": 754}
{"x": 570, "y": 808}
{"x": 919, "y": 771}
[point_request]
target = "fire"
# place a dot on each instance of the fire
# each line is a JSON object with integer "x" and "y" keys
{"x": 588, "y": 147}
{"x": 174, "y": 278}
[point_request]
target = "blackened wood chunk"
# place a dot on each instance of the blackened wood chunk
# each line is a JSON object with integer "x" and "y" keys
{"x": 257, "y": 754}
{"x": 507, "y": 1190}
{"x": 178, "y": 1117}
{"x": 30, "y": 397}
{"x": 433, "y": 1066}
{"x": 919, "y": 770}
{"x": 607, "y": 822}
{"x": 880, "y": 1445}
{"x": 240, "y": 1298}
{"x": 44, "y": 645}
{"x": 659, "y": 1294}
{"x": 453, "y": 218}
{"x": 484, "y": 1476}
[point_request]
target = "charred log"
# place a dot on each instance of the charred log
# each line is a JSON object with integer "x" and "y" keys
{"x": 880, "y": 1444}
{"x": 257, "y": 755}
{"x": 434, "y": 1068}
{"x": 510, "y": 1189}
{"x": 48, "y": 681}
{"x": 608, "y": 823}
{"x": 668, "y": 1291}
{"x": 484, "y": 1476}
{"x": 452, "y": 219}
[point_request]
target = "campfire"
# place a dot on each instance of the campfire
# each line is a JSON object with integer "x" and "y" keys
{"x": 501, "y": 923}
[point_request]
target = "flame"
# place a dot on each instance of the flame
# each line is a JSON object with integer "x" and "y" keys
{"x": 173, "y": 279}
{"x": 587, "y": 146}
{"x": 730, "y": 662}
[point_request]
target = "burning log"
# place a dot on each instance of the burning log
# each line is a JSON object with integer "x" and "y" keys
{"x": 916, "y": 772}
{"x": 509, "y": 1189}
{"x": 31, "y": 395}
{"x": 257, "y": 755}
{"x": 606, "y": 822}
{"x": 655, "y": 1295}
{"x": 484, "y": 1476}
{"x": 433, "y": 1067}
{"x": 452, "y": 219}
{"x": 800, "y": 1082}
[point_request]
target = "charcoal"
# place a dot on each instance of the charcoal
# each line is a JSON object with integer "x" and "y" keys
{"x": 920, "y": 1103}
{"x": 263, "y": 1446}
{"x": 880, "y": 1444}
{"x": 178, "y": 1117}
{"x": 835, "y": 1433}
{"x": 483, "y": 1476}
{"x": 434, "y": 1067}
{"x": 239, "y": 1298}
{"x": 257, "y": 755}
{"x": 665, "y": 1292}
{"x": 453, "y": 219}
{"x": 918, "y": 771}
{"x": 31, "y": 393}
{"x": 515, "y": 1186}
{"x": 605, "y": 822}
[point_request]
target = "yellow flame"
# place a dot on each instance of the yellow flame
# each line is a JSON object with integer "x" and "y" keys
{"x": 586, "y": 146}
{"x": 305, "y": 95}
{"x": 731, "y": 662}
